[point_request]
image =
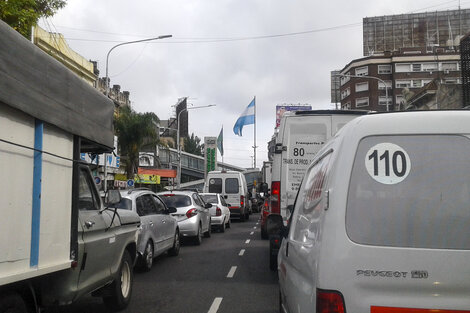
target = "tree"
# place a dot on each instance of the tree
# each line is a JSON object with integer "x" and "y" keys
{"x": 134, "y": 130}
{"x": 193, "y": 145}
{"x": 22, "y": 15}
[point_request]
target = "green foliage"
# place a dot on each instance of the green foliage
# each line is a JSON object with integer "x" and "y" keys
{"x": 193, "y": 145}
{"x": 24, "y": 14}
{"x": 134, "y": 130}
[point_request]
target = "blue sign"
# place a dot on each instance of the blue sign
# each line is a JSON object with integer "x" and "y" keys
{"x": 130, "y": 183}
{"x": 97, "y": 180}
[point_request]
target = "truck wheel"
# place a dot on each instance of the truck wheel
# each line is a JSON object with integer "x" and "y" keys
{"x": 120, "y": 290}
{"x": 175, "y": 250}
{"x": 147, "y": 258}
{"x": 12, "y": 303}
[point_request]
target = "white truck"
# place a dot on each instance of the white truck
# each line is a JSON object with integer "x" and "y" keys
{"x": 57, "y": 240}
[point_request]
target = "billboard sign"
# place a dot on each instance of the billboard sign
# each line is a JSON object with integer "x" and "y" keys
{"x": 281, "y": 109}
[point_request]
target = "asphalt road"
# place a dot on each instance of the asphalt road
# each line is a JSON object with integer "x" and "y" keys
{"x": 228, "y": 273}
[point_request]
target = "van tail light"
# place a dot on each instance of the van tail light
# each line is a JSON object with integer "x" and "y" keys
{"x": 276, "y": 197}
{"x": 242, "y": 201}
{"x": 329, "y": 301}
{"x": 218, "y": 212}
{"x": 190, "y": 213}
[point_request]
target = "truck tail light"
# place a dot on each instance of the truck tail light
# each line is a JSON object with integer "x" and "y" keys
{"x": 190, "y": 213}
{"x": 218, "y": 212}
{"x": 242, "y": 201}
{"x": 329, "y": 301}
{"x": 276, "y": 197}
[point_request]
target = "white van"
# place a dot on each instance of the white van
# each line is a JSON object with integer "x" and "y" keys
{"x": 232, "y": 186}
{"x": 301, "y": 134}
{"x": 381, "y": 219}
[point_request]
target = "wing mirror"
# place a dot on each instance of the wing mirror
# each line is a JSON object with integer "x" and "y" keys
{"x": 207, "y": 206}
{"x": 171, "y": 210}
{"x": 112, "y": 197}
{"x": 275, "y": 225}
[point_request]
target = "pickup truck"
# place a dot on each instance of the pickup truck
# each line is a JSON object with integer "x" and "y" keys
{"x": 57, "y": 240}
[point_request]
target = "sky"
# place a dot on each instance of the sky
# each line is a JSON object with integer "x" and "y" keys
{"x": 225, "y": 52}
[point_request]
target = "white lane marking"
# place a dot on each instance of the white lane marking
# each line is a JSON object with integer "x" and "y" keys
{"x": 215, "y": 305}
{"x": 231, "y": 272}
{"x": 254, "y": 227}
{"x": 247, "y": 241}
{"x": 252, "y": 233}
{"x": 242, "y": 252}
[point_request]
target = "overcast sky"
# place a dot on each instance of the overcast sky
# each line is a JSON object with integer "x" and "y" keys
{"x": 201, "y": 64}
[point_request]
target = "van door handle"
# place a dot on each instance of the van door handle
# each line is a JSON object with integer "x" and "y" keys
{"x": 89, "y": 224}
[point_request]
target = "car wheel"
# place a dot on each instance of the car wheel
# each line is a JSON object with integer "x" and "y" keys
{"x": 207, "y": 234}
{"x": 146, "y": 261}
{"x": 198, "y": 238}
{"x": 175, "y": 250}
{"x": 222, "y": 227}
{"x": 13, "y": 303}
{"x": 247, "y": 216}
{"x": 119, "y": 293}
{"x": 229, "y": 223}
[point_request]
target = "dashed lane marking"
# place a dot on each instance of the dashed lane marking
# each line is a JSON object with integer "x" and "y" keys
{"x": 252, "y": 233}
{"x": 242, "y": 252}
{"x": 215, "y": 305}
{"x": 247, "y": 241}
{"x": 231, "y": 272}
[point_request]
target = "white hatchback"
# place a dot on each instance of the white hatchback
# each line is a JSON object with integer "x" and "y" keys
{"x": 381, "y": 220}
{"x": 220, "y": 213}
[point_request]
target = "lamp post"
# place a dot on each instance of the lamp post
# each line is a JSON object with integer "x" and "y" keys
{"x": 371, "y": 77}
{"x": 178, "y": 169}
{"x": 107, "y": 92}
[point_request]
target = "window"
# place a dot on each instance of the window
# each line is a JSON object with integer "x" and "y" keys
{"x": 362, "y": 102}
{"x": 402, "y": 67}
{"x": 450, "y": 66}
{"x": 210, "y": 198}
{"x": 347, "y": 106}
{"x": 400, "y": 99}
{"x": 383, "y": 101}
{"x": 345, "y": 93}
{"x": 417, "y": 83}
{"x": 146, "y": 205}
{"x": 385, "y": 69}
{"x": 403, "y": 83}
{"x": 429, "y": 67}
{"x": 362, "y": 71}
{"x": 215, "y": 185}
{"x": 308, "y": 206}
{"x": 344, "y": 79}
{"x": 434, "y": 216}
{"x": 159, "y": 205}
{"x": 177, "y": 201}
{"x": 197, "y": 200}
{"x": 416, "y": 67}
{"x": 231, "y": 185}
{"x": 388, "y": 83}
{"x": 362, "y": 87}
{"x": 87, "y": 197}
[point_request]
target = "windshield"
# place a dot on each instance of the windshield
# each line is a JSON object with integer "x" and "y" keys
{"x": 209, "y": 198}
{"x": 176, "y": 201}
{"x": 411, "y": 191}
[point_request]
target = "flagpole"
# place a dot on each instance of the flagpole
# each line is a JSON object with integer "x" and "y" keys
{"x": 254, "y": 135}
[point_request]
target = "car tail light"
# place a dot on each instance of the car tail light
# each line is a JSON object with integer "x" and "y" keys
{"x": 242, "y": 201}
{"x": 329, "y": 302}
{"x": 276, "y": 197}
{"x": 218, "y": 212}
{"x": 190, "y": 213}
{"x": 168, "y": 195}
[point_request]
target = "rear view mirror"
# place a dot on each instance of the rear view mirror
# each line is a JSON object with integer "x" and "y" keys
{"x": 112, "y": 197}
{"x": 274, "y": 225}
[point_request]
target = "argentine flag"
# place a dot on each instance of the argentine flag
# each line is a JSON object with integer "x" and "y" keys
{"x": 246, "y": 118}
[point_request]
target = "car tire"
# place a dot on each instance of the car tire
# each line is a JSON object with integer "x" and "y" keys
{"x": 247, "y": 216}
{"x": 207, "y": 234}
{"x": 175, "y": 250}
{"x": 12, "y": 302}
{"x": 146, "y": 261}
{"x": 198, "y": 237}
{"x": 119, "y": 293}
{"x": 264, "y": 234}
{"x": 222, "y": 227}
{"x": 229, "y": 224}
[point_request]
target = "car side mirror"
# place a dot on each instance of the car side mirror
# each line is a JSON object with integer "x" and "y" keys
{"x": 275, "y": 225}
{"x": 207, "y": 205}
{"x": 171, "y": 210}
{"x": 227, "y": 204}
{"x": 112, "y": 197}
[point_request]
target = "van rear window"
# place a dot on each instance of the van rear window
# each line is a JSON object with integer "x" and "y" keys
{"x": 231, "y": 185}
{"x": 411, "y": 191}
{"x": 215, "y": 185}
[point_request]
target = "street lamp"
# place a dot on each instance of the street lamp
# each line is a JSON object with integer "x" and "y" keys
{"x": 178, "y": 169}
{"x": 107, "y": 92}
{"x": 372, "y": 77}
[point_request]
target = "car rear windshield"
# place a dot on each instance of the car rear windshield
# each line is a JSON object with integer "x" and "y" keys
{"x": 411, "y": 191}
{"x": 215, "y": 185}
{"x": 209, "y": 198}
{"x": 231, "y": 185}
{"x": 176, "y": 201}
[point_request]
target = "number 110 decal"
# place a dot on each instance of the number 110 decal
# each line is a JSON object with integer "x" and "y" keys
{"x": 388, "y": 163}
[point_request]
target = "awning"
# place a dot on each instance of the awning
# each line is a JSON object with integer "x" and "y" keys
{"x": 159, "y": 172}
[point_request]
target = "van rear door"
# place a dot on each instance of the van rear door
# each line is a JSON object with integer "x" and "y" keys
{"x": 302, "y": 138}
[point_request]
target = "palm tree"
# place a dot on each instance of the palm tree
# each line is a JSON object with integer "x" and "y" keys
{"x": 193, "y": 145}
{"x": 134, "y": 130}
